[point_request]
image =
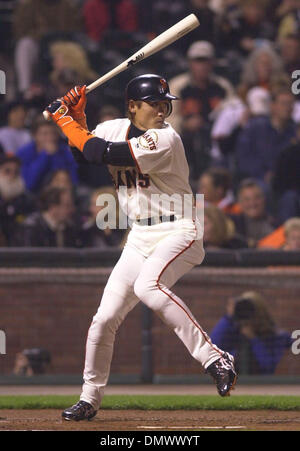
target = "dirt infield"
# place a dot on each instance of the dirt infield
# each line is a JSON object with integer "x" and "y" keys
{"x": 138, "y": 420}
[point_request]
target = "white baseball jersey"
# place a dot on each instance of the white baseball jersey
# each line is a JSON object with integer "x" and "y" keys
{"x": 158, "y": 185}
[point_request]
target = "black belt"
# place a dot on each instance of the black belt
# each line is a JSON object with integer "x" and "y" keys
{"x": 156, "y": 220}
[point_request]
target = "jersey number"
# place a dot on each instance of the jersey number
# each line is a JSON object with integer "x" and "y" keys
{"x": 132, "y": 179}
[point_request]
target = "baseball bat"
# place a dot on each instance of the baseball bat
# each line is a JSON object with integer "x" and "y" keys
{"x": 166, "y": 38}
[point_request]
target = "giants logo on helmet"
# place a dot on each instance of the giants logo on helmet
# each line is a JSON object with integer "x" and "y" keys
{"x": 164, "y": 86}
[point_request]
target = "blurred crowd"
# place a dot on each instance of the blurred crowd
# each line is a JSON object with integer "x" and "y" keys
{"x": 238, "y": 114}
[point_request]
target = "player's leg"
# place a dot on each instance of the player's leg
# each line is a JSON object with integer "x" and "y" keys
{"x": 117, "y": 300}
{"x": 172, "y": 258}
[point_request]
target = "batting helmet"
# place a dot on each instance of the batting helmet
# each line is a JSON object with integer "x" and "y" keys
{"x": 148, "y": 87}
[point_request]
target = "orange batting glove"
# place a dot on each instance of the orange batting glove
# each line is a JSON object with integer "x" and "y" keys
{"x": 75, "y": 99}
{"x": 76, "y": 134}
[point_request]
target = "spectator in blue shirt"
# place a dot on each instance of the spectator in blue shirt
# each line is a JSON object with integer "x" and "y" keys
{"x": 262, "y": 139}
{"x": 44, "y": 155}
{"x": 249, "y": 333}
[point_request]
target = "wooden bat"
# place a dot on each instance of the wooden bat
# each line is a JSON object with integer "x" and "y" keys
{"x": 166, "y": 38}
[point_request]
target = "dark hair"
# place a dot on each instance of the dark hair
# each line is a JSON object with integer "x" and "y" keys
{"x": 282, "y": 90}
{"x": 6, "y": 108}
{"x": 221, "y": 177}
{"x": 251, "y": 306}
{"x": 49, "y": 178}
{"x": 243, "y": 309}
{"x": 40, "y": 122}
{"x": 9, "y": 158}
{"x": 50, "y": 196}
{"x": 293, "y": 36}
{"x": 248, "y": 183}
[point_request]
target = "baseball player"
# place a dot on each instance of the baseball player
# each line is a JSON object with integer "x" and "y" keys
{"x": 146, "y": 159}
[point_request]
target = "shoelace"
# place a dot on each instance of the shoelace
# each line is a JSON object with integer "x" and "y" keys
{"x": 225, "y": 364}
{"x": 80, "y": 406}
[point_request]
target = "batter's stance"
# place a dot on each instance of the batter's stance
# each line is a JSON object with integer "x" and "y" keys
{"x": 145, "y": 154}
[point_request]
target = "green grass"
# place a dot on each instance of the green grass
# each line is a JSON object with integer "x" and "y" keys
{"x": 158, "y": 402}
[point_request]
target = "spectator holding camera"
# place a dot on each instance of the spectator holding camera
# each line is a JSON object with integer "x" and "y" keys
{"x": 248, "y": 331}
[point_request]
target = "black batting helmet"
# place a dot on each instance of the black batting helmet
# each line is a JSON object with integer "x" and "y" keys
{"x": 149, "y": 87}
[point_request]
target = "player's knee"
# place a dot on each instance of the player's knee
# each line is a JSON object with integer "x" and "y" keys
{"x": 143, "y": 288}
{"x": 148, "y": 292}
{"x": 103, "y": 325}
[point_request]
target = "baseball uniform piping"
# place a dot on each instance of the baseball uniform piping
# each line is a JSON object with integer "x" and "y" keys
{"x": 174, "y": 300}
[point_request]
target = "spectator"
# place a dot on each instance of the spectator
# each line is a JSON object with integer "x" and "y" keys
{"x": 292, "y": 234}
{"x": 71, "y": 55}
{"x": 286, "y": 181}
{"x": 249, "y": 333}
{"x": 216, "y": 185}
{"x": 260, "y": 142}
{"x": 103, "y": 15}
{"x": 242, "y": 28}
{"x": 60, "y": 179}
{"x": 262, "y": 68}
{"x": 15, "y": 201}
{"x": 159, "y": 15}
{"x": 53, "y": 225}
{"x": 227, "y": 122}
{"x": 280, "y": 9}
{"x": 201, "y": 93}
{"x": 200, "y": 90}
{"x": 290, "y": 52}
{"x": 207, "y": 19}
{"x": 32, "y": 361}
{"x": 219, "y": 230}
{"x": 45, "y": 154}
{"x": 284, "y": 237}
{"x": 92, "y": 235}
{"x": 290, "y": 22}
{"x": 32, "y": 21}
{"x": 14, "y": 134}
{"x": 253, "y": 222}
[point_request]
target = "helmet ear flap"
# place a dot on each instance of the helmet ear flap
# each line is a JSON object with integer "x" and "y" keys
{"x": 170, "y": 109}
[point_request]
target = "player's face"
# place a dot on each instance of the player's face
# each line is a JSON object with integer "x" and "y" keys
{"x": 148, "y": 115}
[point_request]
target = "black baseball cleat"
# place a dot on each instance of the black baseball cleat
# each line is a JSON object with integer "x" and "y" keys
{"x": 223, "y": 373}
{"x": 80, "y": 411}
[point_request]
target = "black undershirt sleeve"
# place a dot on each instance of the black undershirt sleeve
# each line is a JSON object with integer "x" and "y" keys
{"x": 97, "y": 150}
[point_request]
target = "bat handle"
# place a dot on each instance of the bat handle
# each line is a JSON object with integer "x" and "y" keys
{"x": 46, "y": 114}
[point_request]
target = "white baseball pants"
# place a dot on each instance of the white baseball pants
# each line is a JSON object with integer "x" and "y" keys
{"x": 152, "y": 261}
